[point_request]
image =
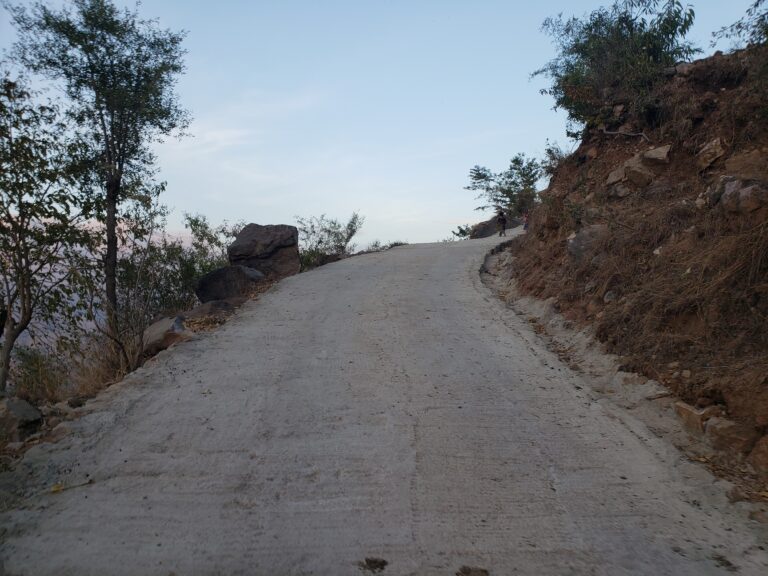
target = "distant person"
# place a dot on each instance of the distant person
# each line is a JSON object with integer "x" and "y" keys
{"x": 525, "y": 220}
{"x": 501, "y": 223}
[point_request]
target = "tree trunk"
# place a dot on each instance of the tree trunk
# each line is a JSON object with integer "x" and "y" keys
{"x": 110, "y": 258}
{"x": 9, "y": 339}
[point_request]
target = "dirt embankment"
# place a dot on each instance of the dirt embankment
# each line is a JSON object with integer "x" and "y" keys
{"x": 655, "y": 231}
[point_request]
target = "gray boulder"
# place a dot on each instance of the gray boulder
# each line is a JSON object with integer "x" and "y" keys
{"x": 18, "y": 419}
{"x": 272, "y": 249}
{"x": 227, "y": 282}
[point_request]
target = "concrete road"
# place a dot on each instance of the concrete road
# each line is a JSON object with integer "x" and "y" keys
{"x": 387, "y": 407}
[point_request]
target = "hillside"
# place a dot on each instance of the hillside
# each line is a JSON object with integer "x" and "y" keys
{"x": 655, "y": 232}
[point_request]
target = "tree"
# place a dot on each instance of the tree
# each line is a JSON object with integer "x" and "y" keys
{"x": 614, "y": 54}
{"x": 44, "y": 241}
{"x": 752, "y": 28}
{"x": 119, "y": 73}
{"x": 513, "y": 190}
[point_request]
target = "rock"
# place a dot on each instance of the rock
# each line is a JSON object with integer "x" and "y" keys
{"x": 752, "y": 165}
{"x": 14, "y": 446}
{"x": 53, "y": 421}
{"x": 752, "y": 198}
{"x": 729, "y": 436}
{"x": 585, "y": 240}
{"x": 18, "y": 419}
{"x": 673, "y": 365}
{"x": 272, "y": 249}
{"x": 658, "y": 155}
{"x": 758, "y": 458}
{"x": 709, "y": 153}
{"x": 638, "y": 174}
{"x": 700, "y": 202}
{"x": 610, "y": 296}
{"x": 620, "y": 190}
{"x": 684, "y": 68}
{"x": 738, "y": 196}
{"x": 615, "y": 176}
{"x": 227, "y": 282}
{"x": 163, "y": 334}
{"x": 694, "y": 419}
{"x": 685, "y": 374}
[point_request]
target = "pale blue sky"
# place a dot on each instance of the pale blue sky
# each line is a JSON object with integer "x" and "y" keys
{"x": 310, "y": 107}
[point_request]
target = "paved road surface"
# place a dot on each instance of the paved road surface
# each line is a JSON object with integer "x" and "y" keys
{"x": 387, "y": 406}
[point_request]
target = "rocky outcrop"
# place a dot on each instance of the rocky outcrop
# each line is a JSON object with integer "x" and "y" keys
{"x": 637, "y": 172}
{"x": 227, "y": 282}
{"x": 272, "y": 250}
{"x": 18, "y": 419}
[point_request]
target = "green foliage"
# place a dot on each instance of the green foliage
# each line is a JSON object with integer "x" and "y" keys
{"x": 462, "y": 231}
{"x": 554, "y": 156}
{"x": 321, "y": 238}
{"x": 39, "y": 375}
{"x": 119, "y": 73}
{"x": 157, "y": 273}
{"x": 614, "y": 55}
{"x": 44, "y": 241}
{"x": 752, "y": 28}
{"x": 513, "y": 190}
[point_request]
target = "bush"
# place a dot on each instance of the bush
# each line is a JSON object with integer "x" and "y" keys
{"x": 39, "y": 375}
{"x": 322, "y": 239}
{"x": 614, "y": 55}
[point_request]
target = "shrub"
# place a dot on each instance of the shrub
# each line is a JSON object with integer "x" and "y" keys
{"x": 321, "y": 238}
{"x": 614, "y": 55}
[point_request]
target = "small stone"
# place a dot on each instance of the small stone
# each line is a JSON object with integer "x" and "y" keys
{"x": 620, "y": 190}
{"x": 709, "y": 153}
{"x": 700, "y": 203}
{"x": 694, "y": 419}
{"x": 638, "y": 174}
{"x": 686, "y": 374}
{"x": 615, "y": 176}
{"x": 658, "y": 155}
{"x": 657, "y": 252}
{"x": 673, "y": 365}
{"x": 609, "y": 296}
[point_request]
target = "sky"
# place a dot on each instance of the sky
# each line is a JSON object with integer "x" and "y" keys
{"x": 303, "y": 108}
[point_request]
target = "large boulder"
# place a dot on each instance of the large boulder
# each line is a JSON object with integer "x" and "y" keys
{"x": 227, "y": 282}
{"x": 18, "y": 419}
{"x": 272, "y": 249}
